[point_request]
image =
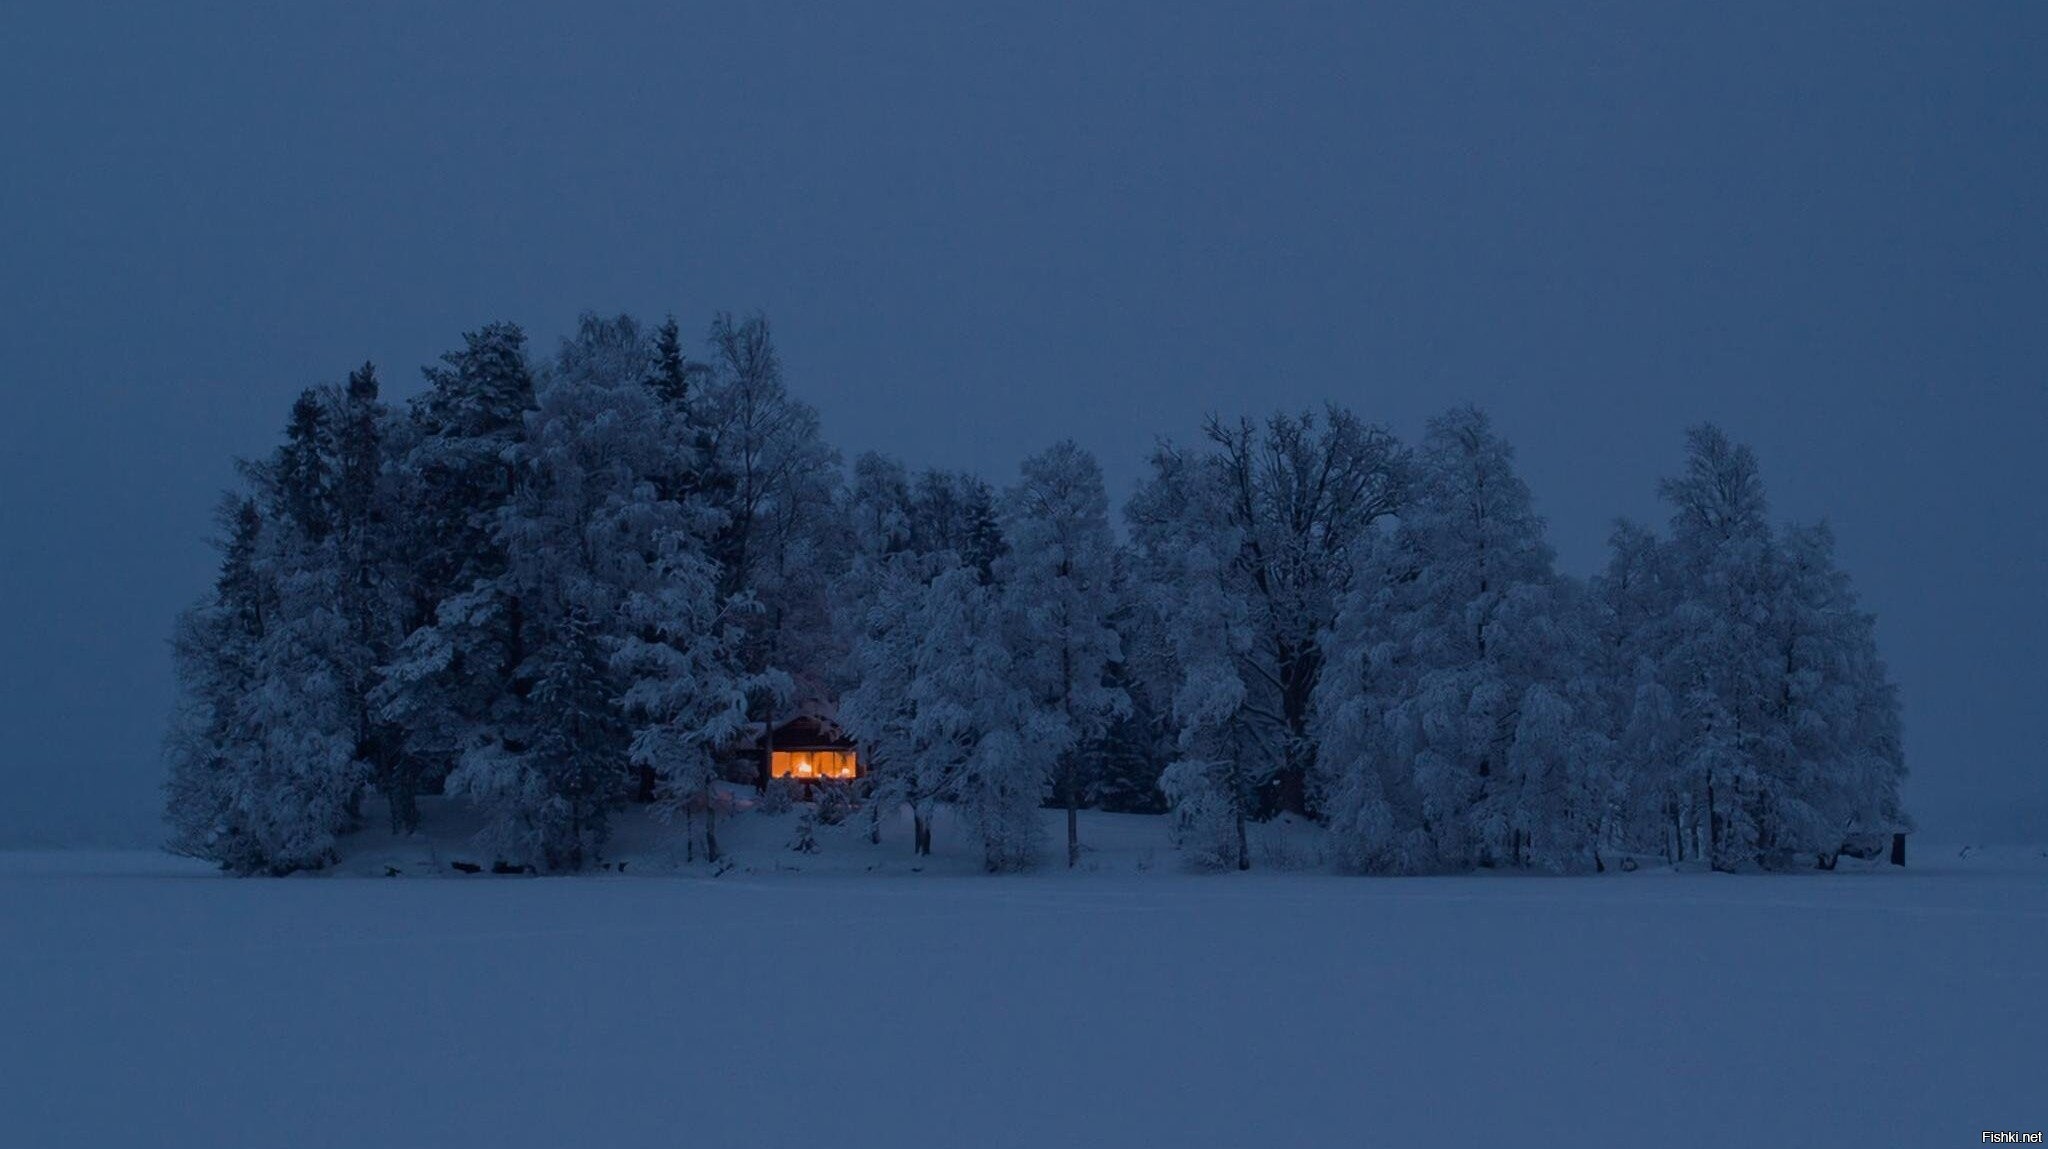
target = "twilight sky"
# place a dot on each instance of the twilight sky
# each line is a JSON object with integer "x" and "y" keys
{"x": 979, "y": 228}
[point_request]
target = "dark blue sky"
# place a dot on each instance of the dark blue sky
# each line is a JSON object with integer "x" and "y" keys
{"x": 980, "y": 228}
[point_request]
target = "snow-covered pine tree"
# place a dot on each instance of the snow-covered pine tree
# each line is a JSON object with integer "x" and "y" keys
{"x": 575, "y": 535}
{"x": 1131, "y": 754}
{"x": 955, "y": 511}
{"x": 454, "y": 472}
{"x": 677, "y": 383}
{"x": 1057, "y": 600}
{"x": 674, "y": 376}
{"x": 688, "y": 689}
{"x": 213, "y": 660}
{"x": 298, "y": 774}
{"x": 264, "y": 765}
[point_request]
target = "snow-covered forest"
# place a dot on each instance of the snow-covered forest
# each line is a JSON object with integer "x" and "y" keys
{"x": 556, "y": 584}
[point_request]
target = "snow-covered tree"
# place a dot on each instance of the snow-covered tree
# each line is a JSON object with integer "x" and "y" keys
{"x": 1634, "y": 601}
{"x": 1459, "y": 716}
{"x": 298, "y": 775}
{"x": 263, "y": 765}
{"x": 1833, "y": 760}
{"x": 1185, "y": 548}
{"x": 550, "y": 764}
{"x": 881, "y": 711}
{"x": 551, "y": 588}
{"x": 1135, "y": 749}
{"x": 213, "y": 659}
{"x": 688, "y": 689}
{"x": 354, "y": 523}
{"x": 939, "y": 709}
{"x": 956, "y": 511}
{"x": 630, "y": 650}
{"x": 1754, "y": 722}
{"x": 974, "y": 707}
{"x": 1719, "y": 666}
{"x": 772, "y": 478}
{"x": 273, "y": 737}
{"x": 1056, "y": 588}
{"x": 878, "y": 506}
{"x": 455, "y": 472}
{"x": 1295, "y": 497}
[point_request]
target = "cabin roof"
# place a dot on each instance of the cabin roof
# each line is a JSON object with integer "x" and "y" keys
{"x": 808, "y": 732}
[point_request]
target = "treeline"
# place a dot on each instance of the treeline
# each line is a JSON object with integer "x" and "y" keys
{"x": 555, "y": 585}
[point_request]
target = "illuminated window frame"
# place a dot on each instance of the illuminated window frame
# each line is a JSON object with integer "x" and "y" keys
{"x": 814, "y": 765}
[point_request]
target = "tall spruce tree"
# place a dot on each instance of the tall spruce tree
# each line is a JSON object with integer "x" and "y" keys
{"x": 457, "y": 671}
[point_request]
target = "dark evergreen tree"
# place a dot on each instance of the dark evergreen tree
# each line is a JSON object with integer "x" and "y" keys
{"x": 956, "y": 511}
{"x": 263, "y": 766}
{"x": 677, "y": 382}
{"x": 213, "y": 657}
{"x": 983, "y": 540}
{"x": 457, "y": 667}
{"x": 1122, "y": 768}
{"x": 363, "y": 518}
{"x": 302, "y": 473}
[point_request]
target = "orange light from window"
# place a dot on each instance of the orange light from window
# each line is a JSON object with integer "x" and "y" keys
{"x": 814, "y": 764}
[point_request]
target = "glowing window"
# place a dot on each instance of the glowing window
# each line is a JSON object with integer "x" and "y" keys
{"x": 810, "y": 764}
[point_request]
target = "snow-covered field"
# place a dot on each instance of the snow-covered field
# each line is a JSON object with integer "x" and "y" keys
{"x": 145, "y": 1002}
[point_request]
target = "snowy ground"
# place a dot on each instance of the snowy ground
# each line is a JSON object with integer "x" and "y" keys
{"x": 144, "y": 1002}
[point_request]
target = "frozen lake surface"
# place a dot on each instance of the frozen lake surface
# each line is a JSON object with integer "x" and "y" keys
{"x": 147, "y": 1002}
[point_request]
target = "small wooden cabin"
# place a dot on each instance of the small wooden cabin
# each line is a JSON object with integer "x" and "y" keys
{"x": 808, "y": 749}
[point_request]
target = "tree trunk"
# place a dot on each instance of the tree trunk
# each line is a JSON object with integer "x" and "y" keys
{"x": 401, "y": 781}
{"x": 710, "y": 825}
{"x": 921, "y": 832}
{"x": 1290, "y": 791}
{"x": 1299, "y": 666}
{"x": 1898, "y": 849}
{"x": 1713, "y": 830}
{"x": 1244, "y": 853}
{"x": 1073, "y": 829}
